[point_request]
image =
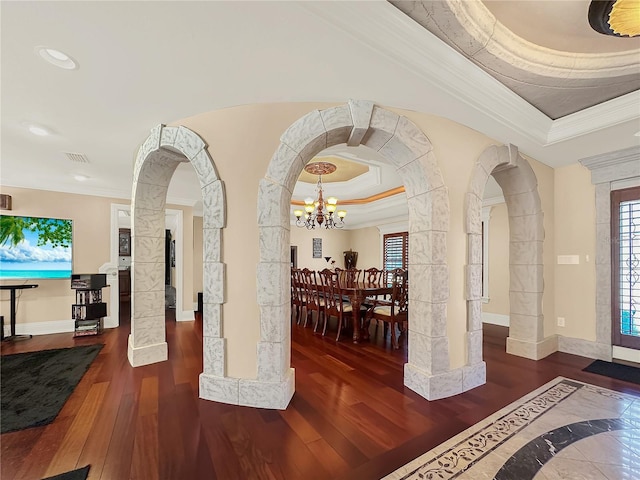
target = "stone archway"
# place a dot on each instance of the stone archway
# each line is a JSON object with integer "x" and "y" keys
{"x": 155, "y": 163}
{"x": 409, "y": 150}
{"x": 520, "y": 188}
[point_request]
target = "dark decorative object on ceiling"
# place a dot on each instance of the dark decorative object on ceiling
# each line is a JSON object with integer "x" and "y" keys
{"x": 625, "y": 21}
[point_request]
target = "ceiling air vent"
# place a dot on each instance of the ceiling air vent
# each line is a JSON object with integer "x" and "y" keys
{"x": 77, "y": 157}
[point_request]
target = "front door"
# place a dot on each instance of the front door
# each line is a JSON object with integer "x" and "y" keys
{"x": 625, "y": 267}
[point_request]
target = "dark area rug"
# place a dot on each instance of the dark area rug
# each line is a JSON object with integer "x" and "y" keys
{"x": 79, "y": 474}
{"x": 615, "y": 370}
{"x": 36, "y": 385}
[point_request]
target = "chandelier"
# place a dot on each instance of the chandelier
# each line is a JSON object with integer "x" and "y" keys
{"x": 316, "y": 212}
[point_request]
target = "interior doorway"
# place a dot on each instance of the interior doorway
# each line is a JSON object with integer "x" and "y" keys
{"x": 119, "y": 302}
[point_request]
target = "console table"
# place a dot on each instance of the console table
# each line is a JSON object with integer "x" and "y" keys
{"x": 13, "y": 289}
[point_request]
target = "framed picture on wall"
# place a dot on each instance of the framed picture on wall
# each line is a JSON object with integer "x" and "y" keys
{"x": 317, "y": 248}
{"x": 124, "y": 243}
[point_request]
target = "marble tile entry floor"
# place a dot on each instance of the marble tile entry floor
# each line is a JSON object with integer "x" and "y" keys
{"x": 563, "y": 430}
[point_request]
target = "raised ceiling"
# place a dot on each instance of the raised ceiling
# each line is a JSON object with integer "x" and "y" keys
{"x": 545, "y": 52}
{"x": 345, "y": 170}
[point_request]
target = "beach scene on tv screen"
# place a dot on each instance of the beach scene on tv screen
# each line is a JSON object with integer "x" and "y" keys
{"x": 35, "y": 248}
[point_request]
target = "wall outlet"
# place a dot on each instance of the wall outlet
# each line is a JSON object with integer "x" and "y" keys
{"x": 561, "y": 321}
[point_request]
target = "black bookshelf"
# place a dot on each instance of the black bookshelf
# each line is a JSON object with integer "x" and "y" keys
{"x": 89, "y": 310}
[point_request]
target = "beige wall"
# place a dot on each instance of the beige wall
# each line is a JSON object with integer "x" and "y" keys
{"x": 366, "y": 241}
{"x": 91, "y": 216}
{"x": 334, "y": 242}
{"x": 52, "y": 300}
{"x": 575, "y": 227}
{"x": 498, "y": 261}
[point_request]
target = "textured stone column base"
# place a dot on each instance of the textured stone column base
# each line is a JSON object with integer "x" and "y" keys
{"x": 433, "y": 387}
{"x": 585, "y": 348}
{"x": 532, "y": 350}
{"x": 474, "y": 375}
{"x": 247, "y": 392}
{"x": 139, "y": 356}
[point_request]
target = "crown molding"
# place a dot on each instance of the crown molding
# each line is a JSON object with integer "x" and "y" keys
{"x": 614, "y": 166}
{"x": 607, "y": 114}
{"x": 387, "y": 30}
{"x": 475, "y": 20}
{"x": 610, "y": 159}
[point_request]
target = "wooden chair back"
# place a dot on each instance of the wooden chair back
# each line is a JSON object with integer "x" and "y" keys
{"x": 374, "y": 277}
{"x": 298, "y": 294}
{"x": 312, "y": 294}
{"x": 350, "y": 277}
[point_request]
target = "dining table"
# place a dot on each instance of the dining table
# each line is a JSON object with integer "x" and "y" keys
{"x": 357, "y": 293}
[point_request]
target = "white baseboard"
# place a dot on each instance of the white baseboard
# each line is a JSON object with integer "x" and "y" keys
{"x": 627, "y": 354}
{"x": 495, "y": 319}
{"x": 185, "y": 316}
{"x": 110, "y": 322}
{"x": 47, "y": 328}
{"x": 44, "y": 328}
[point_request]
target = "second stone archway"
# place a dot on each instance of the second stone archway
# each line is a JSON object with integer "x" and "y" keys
{"x": 406, "y": 147}
{"x": 526, "y": 286}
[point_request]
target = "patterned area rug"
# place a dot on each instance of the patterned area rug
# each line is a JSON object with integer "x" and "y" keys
{"x": 560, "y": 430}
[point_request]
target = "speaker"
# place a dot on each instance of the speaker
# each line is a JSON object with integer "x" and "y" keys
{"x": 5, "y": 202}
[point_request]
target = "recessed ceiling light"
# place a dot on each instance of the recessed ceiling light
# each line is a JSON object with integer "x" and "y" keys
{"x": 57, "y": 58}
{"x": 81, "y": 178}
{"x": 637, "y": 134}
{"x": 39, "y": 130}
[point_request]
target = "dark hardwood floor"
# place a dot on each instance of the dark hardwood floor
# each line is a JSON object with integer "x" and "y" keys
{"x": 350, "y": 418}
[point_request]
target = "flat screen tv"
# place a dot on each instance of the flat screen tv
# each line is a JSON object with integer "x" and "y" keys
{"x": 35, "y": 248}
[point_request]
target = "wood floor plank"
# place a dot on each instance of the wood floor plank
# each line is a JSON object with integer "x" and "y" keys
{"x": 144, "y": 461}
{"x": 67, "y": 456}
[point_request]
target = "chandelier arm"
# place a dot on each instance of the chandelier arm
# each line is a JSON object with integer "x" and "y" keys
{"x": 319, "y": 214}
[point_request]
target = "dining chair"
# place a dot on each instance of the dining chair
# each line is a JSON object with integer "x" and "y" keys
{"x": 394, "y": 311}
{"x": 336, "y": 304}
{"x": 374, "y": 277}
{"x": 314, "y": 302}
{"x": 298, "y": 296}
{"x": 349, "y": 277}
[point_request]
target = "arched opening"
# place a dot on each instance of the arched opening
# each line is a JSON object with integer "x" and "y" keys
{"x": 155, "y": 164}
{"x": 404, "y": 146}
{"x": 526, "y": 235}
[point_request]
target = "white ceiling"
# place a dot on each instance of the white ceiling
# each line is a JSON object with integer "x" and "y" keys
{"x": 145, "y": 63}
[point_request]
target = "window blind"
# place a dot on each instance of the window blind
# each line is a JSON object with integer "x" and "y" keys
{"x": 396, "y": 250}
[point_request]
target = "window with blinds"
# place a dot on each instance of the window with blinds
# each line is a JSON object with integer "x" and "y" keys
{"x": 396, "y": 250}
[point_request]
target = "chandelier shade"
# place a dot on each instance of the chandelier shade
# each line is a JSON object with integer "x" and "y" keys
{"x": 320, "y": 213}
